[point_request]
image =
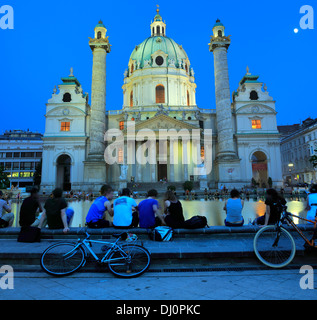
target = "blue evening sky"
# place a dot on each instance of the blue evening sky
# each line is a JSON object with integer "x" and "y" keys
{"x": 50, "y": 37}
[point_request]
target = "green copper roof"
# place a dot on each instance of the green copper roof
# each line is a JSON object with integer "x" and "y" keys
{"x": 152, "y": 44}
{"x": 100, "y": 24}
{"x": 218, "y": 24}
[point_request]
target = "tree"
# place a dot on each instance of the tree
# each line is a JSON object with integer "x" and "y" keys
{"x": 37, "y": 178}
{"x": 4, "y": 180}
{"x": 313, "y": 160}
{"x": 188, "y": 185}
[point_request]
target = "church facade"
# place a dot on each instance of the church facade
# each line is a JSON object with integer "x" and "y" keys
{"x": 239, "y": 138}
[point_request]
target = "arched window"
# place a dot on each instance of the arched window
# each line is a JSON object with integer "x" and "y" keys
{"x": 67, "y": 97}
{"x": 254, "y": 95}
{"x": 153, "y": 31}
{"x": 158, "y": 30}
{"x": 131, "y": 99}
{"x": 99, "y": 35}
{"x": 219, "y": 33}
{"x": 163, "y": 31}
{"x": 160, "y": 94}
{"x": 188, "y": 101}
{"x": 132, "y": 68}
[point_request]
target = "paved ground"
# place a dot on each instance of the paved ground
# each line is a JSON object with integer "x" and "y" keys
{"x": 243, "y": 285}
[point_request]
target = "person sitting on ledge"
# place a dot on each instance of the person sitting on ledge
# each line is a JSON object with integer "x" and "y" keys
{"x": 173, "y": 210}
{"x": 125, "y": 211}
{"x": 233, "y": 207}
{"x": 7, "y": 218}
{"x": 149, "y": 211}
{"x": 55, "y": 212}
{"x": 29, "y": 207}
{"x": 96, "y": 216}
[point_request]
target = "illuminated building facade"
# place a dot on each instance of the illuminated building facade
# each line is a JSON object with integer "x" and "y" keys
{"x": 159, "y": 93}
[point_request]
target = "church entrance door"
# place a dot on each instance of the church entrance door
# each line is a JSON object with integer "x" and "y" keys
{"x": 63, "y": 169}
{"x": 161, "y": 172}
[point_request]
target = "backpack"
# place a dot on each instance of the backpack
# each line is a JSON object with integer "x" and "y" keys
{"x": 196, "y": 222}
{"x": 161, "y": 233}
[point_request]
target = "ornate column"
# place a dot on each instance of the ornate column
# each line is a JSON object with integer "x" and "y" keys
{"x": 227, "y": 160}
{"x": 95, "y": 165}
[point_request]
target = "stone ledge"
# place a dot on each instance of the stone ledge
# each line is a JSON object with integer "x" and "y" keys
{"x": 14, "y": 231}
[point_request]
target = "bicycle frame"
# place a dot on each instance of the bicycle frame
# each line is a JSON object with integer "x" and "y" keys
{"x": 286, "y": 216}
{"x": 87, "y": 245}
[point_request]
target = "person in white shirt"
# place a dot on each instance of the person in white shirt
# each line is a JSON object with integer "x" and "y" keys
{"x": 312, "y": 203}
{"x": 7, "y": 218}
{"x": 125, "y": 211}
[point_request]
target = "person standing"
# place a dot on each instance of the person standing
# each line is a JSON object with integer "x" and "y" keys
{"x": 96, "y": 216}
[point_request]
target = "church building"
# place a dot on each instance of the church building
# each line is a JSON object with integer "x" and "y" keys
{"x": 159, "y": 95}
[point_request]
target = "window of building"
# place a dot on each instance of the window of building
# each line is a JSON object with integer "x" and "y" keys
{"x": 121, "y": 125}
{"x": 188, "y": 101}
{"x": 65, "y": 126}
{"x": 160, "y": 94}
{"x": 67, "y": 97}
{"x": 159, "y": 60}
{"x": 254, "y": 95}
{"x": 131, "y": 99}
{"x": 219, "y": 33}
{"x": 202, "y": 153}
{"x": 256, "y": 124}
{"x": 120, "y": 155}
{"x": 99, "y": 35}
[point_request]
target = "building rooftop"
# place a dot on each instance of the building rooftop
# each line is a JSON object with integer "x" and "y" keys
{"x": 21, "y": 135}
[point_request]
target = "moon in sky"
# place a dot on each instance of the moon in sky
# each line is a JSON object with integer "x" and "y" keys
{"x": 296, "y": 30}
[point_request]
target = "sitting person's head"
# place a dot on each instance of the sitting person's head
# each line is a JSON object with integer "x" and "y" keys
{"x": 106, "y": 191}
{"x": 152, "y": 193}
{"x": 235, "y": 193}
{"x": 313, "y": 188}
{"x": 170, "y": 195}
{"x": 57, "y": 193}
{"x": 34, "y": 192}
{"x": 125, "y": 192}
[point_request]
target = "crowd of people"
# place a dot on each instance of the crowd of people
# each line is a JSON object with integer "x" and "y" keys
{"x": 126, "y": 213}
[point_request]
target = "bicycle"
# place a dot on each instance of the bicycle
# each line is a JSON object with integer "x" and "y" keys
{"x": 124, "y": 260}
{"x": 274, "y": 246}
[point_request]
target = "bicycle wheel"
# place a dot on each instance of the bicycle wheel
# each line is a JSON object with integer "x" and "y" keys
{"x": 133, "y": 263}
{"x": 274, "y": 246}
{"x": 62, "y": 259}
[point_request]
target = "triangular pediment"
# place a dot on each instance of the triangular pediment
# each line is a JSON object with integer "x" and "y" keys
{"x": 164, "y": 122}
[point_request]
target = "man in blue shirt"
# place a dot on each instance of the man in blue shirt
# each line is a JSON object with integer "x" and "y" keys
{"x": 149, "y": 211}
{"x": 96, "y": 217}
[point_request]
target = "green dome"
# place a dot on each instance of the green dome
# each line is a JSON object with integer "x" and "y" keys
{"x": 100, "y": 24}
{"x": 149, "y": 46}
{"x": 218, "y": 24}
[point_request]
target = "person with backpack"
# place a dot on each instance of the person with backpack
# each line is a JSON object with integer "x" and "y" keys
{"x": 274, "y": 204}
{"x": 173, "y": 210}
{"x": 233, "y": 207}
